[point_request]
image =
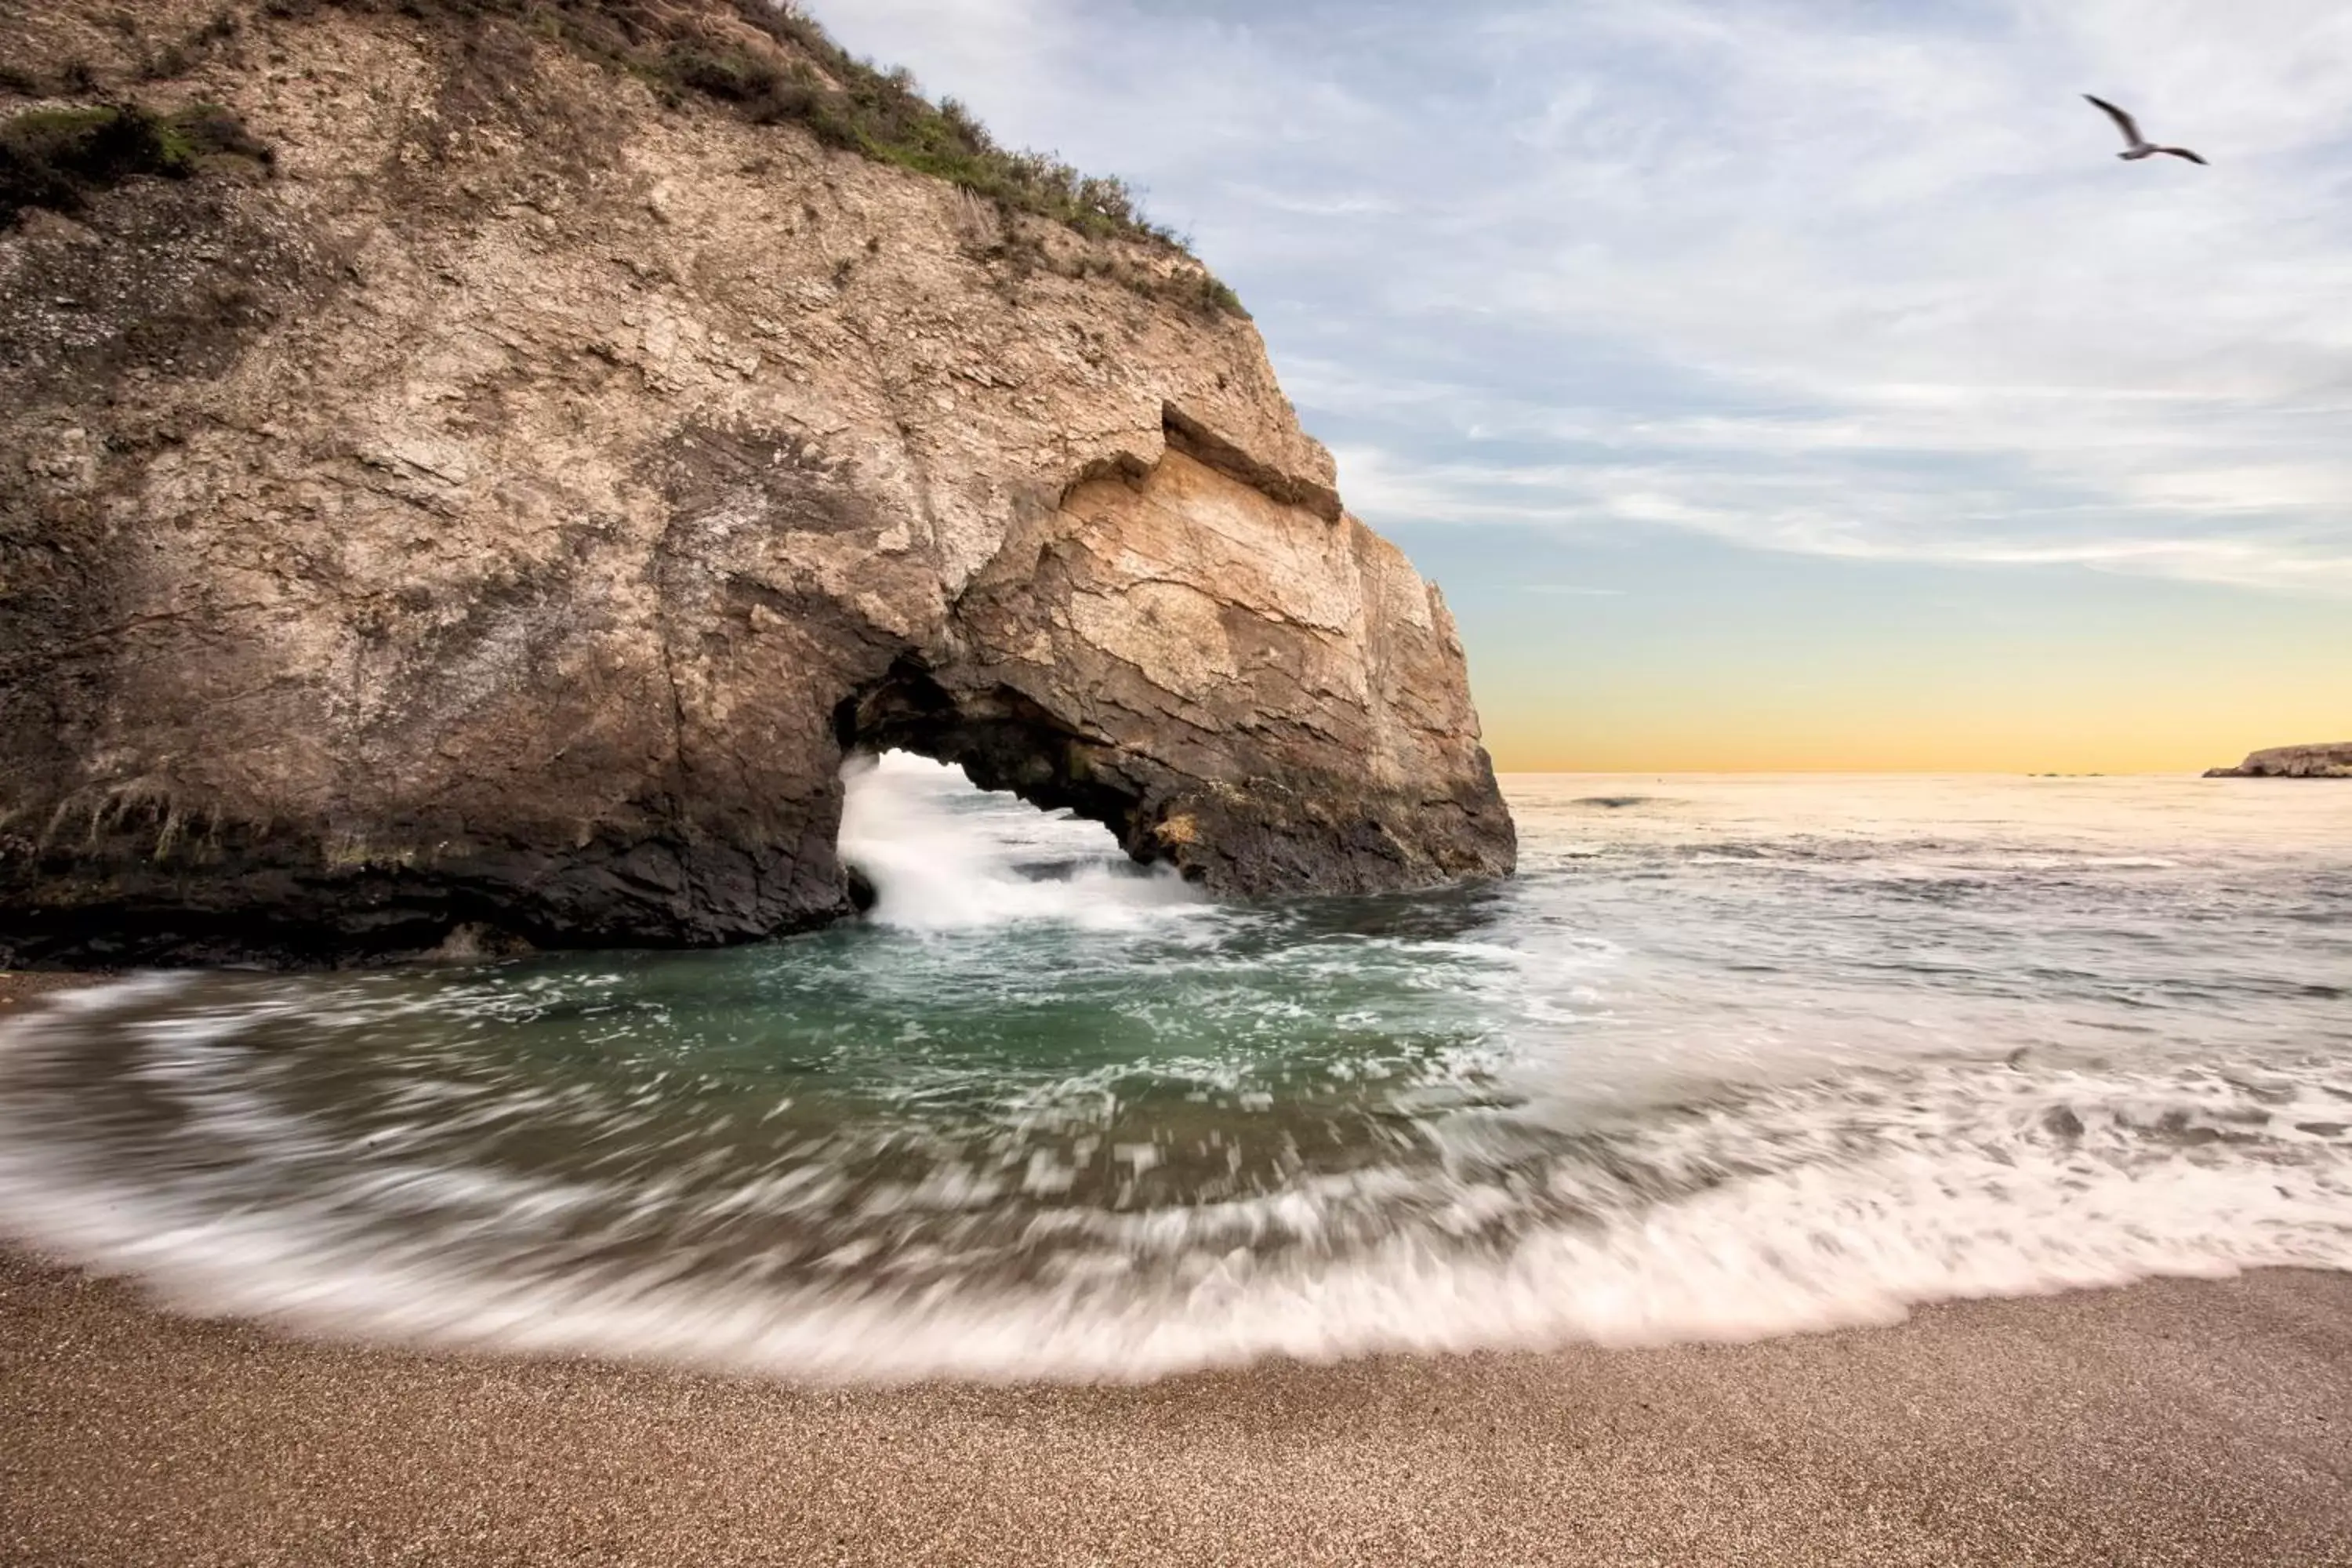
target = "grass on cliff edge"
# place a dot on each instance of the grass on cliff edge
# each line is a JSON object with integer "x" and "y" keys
{"x": 798, "y": 75}
{"x": 59, "y": 158}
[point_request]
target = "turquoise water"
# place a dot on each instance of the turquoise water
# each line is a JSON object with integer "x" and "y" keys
{"x": 1730, "y": 1057}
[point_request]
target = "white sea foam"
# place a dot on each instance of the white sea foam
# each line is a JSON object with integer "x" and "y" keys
{"x": 1803, "y": 1250}
{"x": 932, "y": 872}
{"x": 1820, "y": 1206}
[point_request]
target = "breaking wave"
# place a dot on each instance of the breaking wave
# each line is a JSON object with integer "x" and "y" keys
{"x": 907, "y": 823}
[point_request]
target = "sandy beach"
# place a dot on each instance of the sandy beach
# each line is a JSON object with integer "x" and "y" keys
{"x": 2196, "y": 1423}
{"x": 20, "y": 986}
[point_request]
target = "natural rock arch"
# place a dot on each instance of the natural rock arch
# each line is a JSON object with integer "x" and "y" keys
{"x": 525, "y": 551}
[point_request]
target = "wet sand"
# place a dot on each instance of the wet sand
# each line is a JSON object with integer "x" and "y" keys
{"x": 2204, "y": 1422}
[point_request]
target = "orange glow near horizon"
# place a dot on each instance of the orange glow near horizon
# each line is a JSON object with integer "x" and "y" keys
{"x": 1705, "y": 659}
{"x": 2092, "y": 716}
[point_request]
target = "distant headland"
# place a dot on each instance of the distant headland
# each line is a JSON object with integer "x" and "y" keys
{"x": 2332, "y": 761}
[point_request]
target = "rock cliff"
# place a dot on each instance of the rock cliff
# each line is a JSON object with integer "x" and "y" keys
{"x": 2322, "y": 761}
{"x": 496, "y": 509}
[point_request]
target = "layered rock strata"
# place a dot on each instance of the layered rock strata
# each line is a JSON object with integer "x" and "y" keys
{"x": 502, "y": 521}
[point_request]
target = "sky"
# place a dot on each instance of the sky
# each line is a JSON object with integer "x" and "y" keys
{"x": 1784, "y": 384}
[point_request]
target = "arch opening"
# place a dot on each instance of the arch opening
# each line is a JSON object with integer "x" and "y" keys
{"x": 929, "y": 838}
{"x": 1002, "y": 739}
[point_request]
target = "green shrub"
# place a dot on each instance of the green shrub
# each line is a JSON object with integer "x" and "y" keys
{"x": 854, "y": 105}
{"x": 58, "y": 158}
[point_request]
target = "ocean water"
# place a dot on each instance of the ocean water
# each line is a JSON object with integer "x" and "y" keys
{"x": 1731, "y": 1058}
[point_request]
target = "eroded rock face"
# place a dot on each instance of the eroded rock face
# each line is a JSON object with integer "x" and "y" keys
{"x": 2322, "y": 761}
{"x": 503, "y": 521}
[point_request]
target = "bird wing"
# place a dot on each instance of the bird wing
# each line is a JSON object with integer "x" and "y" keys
{"x": 2181, "y": 153}
{"x": 2123, "y": 122}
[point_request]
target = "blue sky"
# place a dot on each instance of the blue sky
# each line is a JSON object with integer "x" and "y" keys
{"x": 1745, "y": 354}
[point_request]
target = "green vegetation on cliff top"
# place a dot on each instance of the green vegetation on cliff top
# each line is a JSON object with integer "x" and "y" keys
{"x": 769, "y": 63}
{"x": 774, "y": 65}
{"x": 852, "y": 104}
{"x": 58, "y": 158}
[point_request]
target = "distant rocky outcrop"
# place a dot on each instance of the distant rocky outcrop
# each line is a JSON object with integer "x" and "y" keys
{"x": 2322, "y": 761}
{"x": 495, "y": 512}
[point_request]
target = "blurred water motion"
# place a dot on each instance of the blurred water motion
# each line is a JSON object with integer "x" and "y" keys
{"x": 1731, "y": 1058}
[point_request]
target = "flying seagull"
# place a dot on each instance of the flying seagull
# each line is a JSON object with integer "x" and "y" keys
{"x": 2141, "y": 147}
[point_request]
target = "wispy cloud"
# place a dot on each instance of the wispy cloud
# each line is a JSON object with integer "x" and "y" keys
{"x": 1854, "y": 281}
